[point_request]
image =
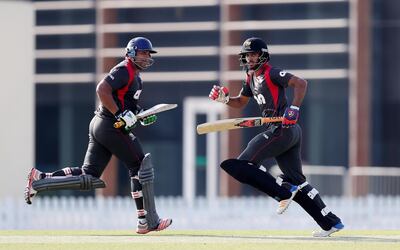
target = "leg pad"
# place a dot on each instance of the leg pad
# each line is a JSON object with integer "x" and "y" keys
{"x": 146, "y": 178}
{"x": 249, "y": 173}
{"x": 83, "y": 182}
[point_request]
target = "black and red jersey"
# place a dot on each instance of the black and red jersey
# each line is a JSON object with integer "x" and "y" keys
{"x": 267, "y": 86}
{"x": 126, "y": 85}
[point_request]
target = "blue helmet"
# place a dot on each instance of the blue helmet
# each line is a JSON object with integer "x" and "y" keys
{"x": 139, "y": 43}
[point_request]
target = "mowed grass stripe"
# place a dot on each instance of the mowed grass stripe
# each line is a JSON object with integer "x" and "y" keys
{"x": 198, "y": 239}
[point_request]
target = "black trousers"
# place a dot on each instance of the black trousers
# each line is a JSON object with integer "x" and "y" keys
{"x": 105, "y": 141}
{"x": 282, "y": 144}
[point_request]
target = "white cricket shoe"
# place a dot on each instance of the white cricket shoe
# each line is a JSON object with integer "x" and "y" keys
{"x": 323, "y": 233}
{"x": 29, "y": 192}
{"x": 284, "y": 204}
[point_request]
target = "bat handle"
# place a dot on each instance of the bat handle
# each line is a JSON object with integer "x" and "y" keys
{"x": 272, "y": 119}
{"x": 119, "y": 124}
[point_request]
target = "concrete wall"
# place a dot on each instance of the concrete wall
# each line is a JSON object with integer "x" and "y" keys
{"x": 16, "y": 96}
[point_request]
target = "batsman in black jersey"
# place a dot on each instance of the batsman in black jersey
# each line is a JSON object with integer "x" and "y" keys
{"x": 119, "y": 94}
{"x": 267, "y": 84}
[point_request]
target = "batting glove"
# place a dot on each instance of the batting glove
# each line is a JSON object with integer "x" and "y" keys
{"x": 291, "y": 116}
{"x": 148, "y": 120}
{"x": 219, "y": 94}
{"x": 129, "y": 118}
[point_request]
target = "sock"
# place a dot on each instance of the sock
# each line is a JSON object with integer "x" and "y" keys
{"x": 63, "y": 172}
{"x": 137, "y": 196}
{"x": 68, "y": 171}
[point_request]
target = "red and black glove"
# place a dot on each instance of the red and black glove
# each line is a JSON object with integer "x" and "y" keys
{"x": 291, "y": 116}
{"x": 219, "y": 94}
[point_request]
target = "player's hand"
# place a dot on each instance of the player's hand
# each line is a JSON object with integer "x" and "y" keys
{"x": 291, "y": 116}
{"x": 129, "y": 118}
{"x": 219, "y": 94}
{"x": 148, "y": 120}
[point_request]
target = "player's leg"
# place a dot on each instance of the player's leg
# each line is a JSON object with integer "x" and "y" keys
{"x": 97, "y": 157}
{"x": 289, "y": 162}
{"x": 251, "y": 174}
{"x": 267, "y": 145}
{"x": 247, "y": 168}
{"x": 146, "y": 179}
{"x": 317, "y": 209}
{"x": 128, "y": 149}
{"x": 308, "y": 197}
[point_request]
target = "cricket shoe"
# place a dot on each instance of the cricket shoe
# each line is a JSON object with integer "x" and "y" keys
{"x": 284, "y": 204}
{"x": 142, "y": 227}
{"x": 29, "y": 192}
{"x": 323, "y": 233}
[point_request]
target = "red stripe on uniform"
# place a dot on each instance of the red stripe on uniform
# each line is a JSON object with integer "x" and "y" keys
{"x": 122, "y": 92}
{"x": 274, "y": 90}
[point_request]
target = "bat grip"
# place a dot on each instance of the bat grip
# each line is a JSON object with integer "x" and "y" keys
{"x": 272, "y": 119}
{"x": 119, "y": 124}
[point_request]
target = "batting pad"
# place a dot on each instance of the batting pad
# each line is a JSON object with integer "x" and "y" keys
{"x": 146, "y": 178}
{"x": 249, "y": 173}
{"x": 83, "y": 182}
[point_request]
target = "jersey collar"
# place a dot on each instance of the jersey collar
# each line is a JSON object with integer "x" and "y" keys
{"x": 262, "y": 69}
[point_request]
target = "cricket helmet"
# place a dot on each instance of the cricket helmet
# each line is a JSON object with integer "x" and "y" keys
{"x": 254, "y": 44}
{"x": 140, "y": 44}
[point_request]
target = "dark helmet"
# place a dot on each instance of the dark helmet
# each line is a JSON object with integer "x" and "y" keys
{"x": 142, "y": 44}
{"x": 254, "y": 44}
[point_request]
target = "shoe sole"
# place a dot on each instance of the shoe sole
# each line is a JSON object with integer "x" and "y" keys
{"x": 328, "y": 233}
{"x": 162, "y": 226}
{"x": 27, "y": 192}
{"x": 282, "y": 210}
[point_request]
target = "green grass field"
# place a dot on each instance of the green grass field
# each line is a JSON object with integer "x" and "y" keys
{"x": 197, "y": 239}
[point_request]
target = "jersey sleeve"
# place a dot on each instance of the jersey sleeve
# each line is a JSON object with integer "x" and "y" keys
{"x": 280, "y": 77}
{"x": 117, "y": 78}
{"x": 246, "y": 90}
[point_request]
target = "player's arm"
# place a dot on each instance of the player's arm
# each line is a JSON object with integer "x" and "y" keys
{"x": 299, "y": 86}
{"x": 292, "y": 112}
{"x": 238, "y": 101}
{"x": 104, "y": 92}
{"x": 115, "y": 80}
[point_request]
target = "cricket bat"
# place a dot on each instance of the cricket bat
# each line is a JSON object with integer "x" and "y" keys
{"x": 151, "y": 111}
{"x": 228, "y": 124}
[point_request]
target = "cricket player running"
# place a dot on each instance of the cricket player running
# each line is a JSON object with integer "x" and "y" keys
{"x": 267, "y": 84}
{"x": 119, "y": 94}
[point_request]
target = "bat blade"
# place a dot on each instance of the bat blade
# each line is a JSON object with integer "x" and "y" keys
{"x": 228, "y": 124}
{"x": 236, "y": 123}
{"x": 156, "y": 109}
{"x": 151, "y": 111}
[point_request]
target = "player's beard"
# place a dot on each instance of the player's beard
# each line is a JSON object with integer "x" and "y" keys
{"x": 253, "y": 66}
{"x": 143, "y": 63}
